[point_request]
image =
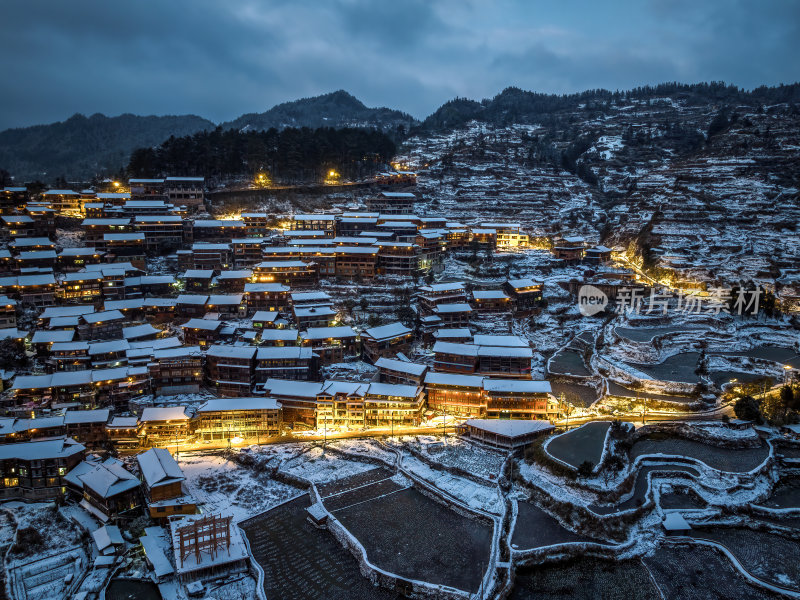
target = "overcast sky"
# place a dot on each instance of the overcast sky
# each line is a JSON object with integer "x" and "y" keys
{"x": 221, "y": 58}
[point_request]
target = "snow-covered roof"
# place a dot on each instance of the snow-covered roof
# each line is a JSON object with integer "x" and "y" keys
{"x": 267, "y": 316}
{"x": 45, "y": 337}
{"x": 138, "y": 331}
{"x": 468, "y": 381}
{"x": 517, "y": 385}
{"x": 505, "y": 351}
{"x": 111, "y": 346}
{"x": 238, "y": 274}
{"x": 401, "y": 366}
{"x": 310, "y": 296}
{"x": 41, "y": 450}
{"x": 284, "y": 352}
{"x": 69, "y": 346}
{"x": 333, "y": 387}
{"x": 123, "y": 423}
{"x": 489, "y": 295}
{"x": 674, "y": 521}
{"x": 454, "y": 348}
{"x": 107, "y": 535}
{"x": 291, "y": 388}
{"x": 107, "y": 315}
{"x": 453, "y": 308}
{"x": 228, "y": 404}
{"x": 455, "y": 332}
{"x": 314, "y": 217}
{"x": 123, "y": 237}
{"x": 155, "y": 556}
{"x": 195, "y": 299}
{"x": 385, "y": 332}
{"x": 31, "y": 241}
{"x": 283, "y": 335}
{"x": 510, "y": 428}
{"x": 508, "y": 341}
{"x": 324, "y": 333}
{"x": 99, "y": 415}
{"x": 109, "y": 479}
{"x": 31, "y": 382}
{"x": 164, "y": 413}
{"x": 222, "y": 351}
{"x": 158, "y": 467}
{"x": 204, "y": 324}
{"x": 313, "y": 311}
{"x": 225, "y": 299}
{"x": 44, "y": 279}
{"x": 80, "y": 252}
{"x": 66, "y": 311}
{"x": 392, "y": 389}
{"x": 198, "y": 274}
{"x": 406, "y": 195}
{"x": 265, "y": 287}
{"x": 177, "y": 352}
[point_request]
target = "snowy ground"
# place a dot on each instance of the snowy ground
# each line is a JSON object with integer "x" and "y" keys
{"x": 221, "y": 486}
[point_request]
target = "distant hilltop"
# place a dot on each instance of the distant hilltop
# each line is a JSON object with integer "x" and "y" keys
{"x": 82, "y": 147}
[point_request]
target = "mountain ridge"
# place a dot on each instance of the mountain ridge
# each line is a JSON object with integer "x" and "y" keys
{"x": 81, "y": 147}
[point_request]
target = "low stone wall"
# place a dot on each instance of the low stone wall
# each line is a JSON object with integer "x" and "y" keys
{"x": 560, "y": 552}
{"x": 457, "y": 471}
{"x": 627, "y": 375}
{"x": 372, "y": 460}
{"x": 431, "y": 491}
{"x": 694, "y": 433}
{"x": 390, "y": 581}
{"x": 612, "y": 526}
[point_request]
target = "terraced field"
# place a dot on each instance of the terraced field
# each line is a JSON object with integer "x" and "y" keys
{"x": 722, "y": 459}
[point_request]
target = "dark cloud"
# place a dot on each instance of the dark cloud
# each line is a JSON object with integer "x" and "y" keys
{"x": 221, "y": 59}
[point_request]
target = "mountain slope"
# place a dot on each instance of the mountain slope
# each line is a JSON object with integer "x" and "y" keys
{"x": 81, "y": 147}
{"x": 337, "y": 109}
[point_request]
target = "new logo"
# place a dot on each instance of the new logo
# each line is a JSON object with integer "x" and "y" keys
{"x": 591, "y": 300}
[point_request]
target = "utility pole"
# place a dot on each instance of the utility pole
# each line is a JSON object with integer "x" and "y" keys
{"x": 444, "y": 424}
{"x": 391, "y": 415}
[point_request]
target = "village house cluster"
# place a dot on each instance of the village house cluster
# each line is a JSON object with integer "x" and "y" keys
{"x": 240, "y": 319}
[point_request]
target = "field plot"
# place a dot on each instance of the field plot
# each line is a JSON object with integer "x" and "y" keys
{"x": 320, "y": 467}
{"x": 575, "y": 393}
{"x": 699, "y": 573}
{"x": 358, "y": 492}
{"x": 681, "y": 499}
{"x": 535, "y": 528}
{"x": 409, "y": 534}
{"x": 614, "y": 389}
{"x": 569, "y": 362}
{"x": 645, "y": 334}
{"x": 581, "y": 444}
{"x": 47, "y": 549}
{"x": 125, "y": 589}
{"x": 778, "y": 354}
{"x": 219, "y": 484}
{"x": 301, "y": 562}
{"x": 478, "y": 461}
{"x": 679, "y": 368}
{"x": 640, "y": 487}
{"x": 765, "y": 555}
{"x": 785, "y": 495}
{"x": 739, "y": 460}
{"x": 586, "y": 579}
{"x": 720, "y": 378}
